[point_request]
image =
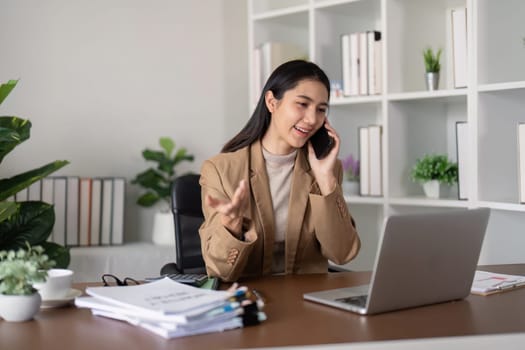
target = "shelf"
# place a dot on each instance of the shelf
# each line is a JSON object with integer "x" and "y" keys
{"x": 425, "y": 202}
{"x": 451, "y": 94}
{"x": 364, "y": 200}
{"x": 341, "y": 101}
{"x": 276, "y": 14}
{"x": 502, "y": 86}
{"x": 503, "y": 206}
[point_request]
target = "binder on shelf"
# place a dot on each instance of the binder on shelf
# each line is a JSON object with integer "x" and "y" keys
{"x": 72, "y": 208}
{"x": 47, "y": 197}
{"x": 22, "y": 195}
{"x": 346, "y": 64}
{"x": 106, "y": 210}
{"x": 374, "y": 62}
{"x": 462, "y": 145}
{"x": 117, "y": 225}
{"x": 354, "y": 64}
{"x": 375, "y": 160}
{"x": 521, "y": 161}
{"x": 96, "y": 210}
{"x": 60, "y": 201}
{"x": 363, "y": 64}
{"x": 84, "y": 231}
{"x": 34, "y": 191}
{"x": 364, "y": 158}
{"x": 459, "y": 47}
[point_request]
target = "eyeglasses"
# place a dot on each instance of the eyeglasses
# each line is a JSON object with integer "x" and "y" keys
{"x": 112, "y": 280}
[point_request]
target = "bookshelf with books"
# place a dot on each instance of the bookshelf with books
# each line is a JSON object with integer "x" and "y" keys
{"x": 415, "y": 121}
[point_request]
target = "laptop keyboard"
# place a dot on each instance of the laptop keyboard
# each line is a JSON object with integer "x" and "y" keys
{"x": 194, "y": 279}
{"x": 359, "y": 300}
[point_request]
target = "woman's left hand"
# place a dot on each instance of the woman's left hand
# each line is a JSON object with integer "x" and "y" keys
{"x": 323, "y": 169}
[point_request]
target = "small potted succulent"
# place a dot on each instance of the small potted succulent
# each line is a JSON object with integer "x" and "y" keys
{"x": 157, "y": 183}
{"x": 433, "y": 170}
{"x": 432, "y": 67}
{"x": 350, "y": 175}
{"x": 19, "y": 269}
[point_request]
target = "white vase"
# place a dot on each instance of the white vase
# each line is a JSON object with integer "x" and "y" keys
{"x": 350, "y": 188}
{"x": 19, "y": 308}
{"x": 431, "y": 188}
{"x": 163, "y": 229}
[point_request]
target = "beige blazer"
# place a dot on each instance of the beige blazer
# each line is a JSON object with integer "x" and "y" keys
{"x": 319, "y": 227}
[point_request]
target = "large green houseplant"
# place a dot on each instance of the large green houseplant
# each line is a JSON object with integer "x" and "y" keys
{"x": 157, "y": 180}
{"x": 30, "y": 221}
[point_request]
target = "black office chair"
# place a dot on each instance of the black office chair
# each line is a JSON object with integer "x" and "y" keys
{"x": 186, "y": 206}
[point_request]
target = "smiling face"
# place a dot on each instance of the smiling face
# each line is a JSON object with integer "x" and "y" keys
{"x": 295, "y": 117}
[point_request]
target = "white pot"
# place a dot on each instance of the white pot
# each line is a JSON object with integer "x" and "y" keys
{"x": 431, "y": 188}
{"x": 19, "y": 308}
{"x": 163, "y": 229}
{"x": 351, "y": 187}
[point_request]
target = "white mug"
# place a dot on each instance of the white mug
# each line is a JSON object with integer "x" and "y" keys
{"x": 57, "y": 284}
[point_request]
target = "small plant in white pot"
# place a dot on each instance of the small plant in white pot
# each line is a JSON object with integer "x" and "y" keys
{"x": 156, "y": 181}
{"x": 432, "y": 67}
{"x": 433, "y": 170}
{"x": 19, "y": 269}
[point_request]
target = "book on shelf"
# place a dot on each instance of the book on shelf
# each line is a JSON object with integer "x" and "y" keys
{"x": 117, "y": 220}
{"x": 34, "y": 191}
{"x": 375, "y": 160}
{"x": 374, "y": 45}
{"x": 72, "y": 210}
{"x": 459, "y": 46}
{"x": 364, "y": 158}
{"x": 60, "y": 204}
{"x": 363, "y": 63}
{"x": 107, "y": 211}
{"x": 84, "y": 230}
{"x": 172, "y": 309}
{"x": 487, "y": 283}
{"x": 268, "y": 56}
{"x": 22, "y": 195}
{"x": 462, "y": 147}
{"x": 96, "y": 208}
{"x": 521, "y": 162}
{"x": 47, "y": 197}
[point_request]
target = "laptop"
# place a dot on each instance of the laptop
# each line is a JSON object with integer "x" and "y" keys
{"x": 422, "y": 259}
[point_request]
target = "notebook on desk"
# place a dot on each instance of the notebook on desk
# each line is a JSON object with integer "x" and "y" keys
{"x": 422, "y": 259}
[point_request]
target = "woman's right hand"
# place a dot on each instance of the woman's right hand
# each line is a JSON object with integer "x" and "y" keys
{"x": 231, "y": 210}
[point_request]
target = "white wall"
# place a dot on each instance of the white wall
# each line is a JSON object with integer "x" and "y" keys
{"x": 101, "y": 80}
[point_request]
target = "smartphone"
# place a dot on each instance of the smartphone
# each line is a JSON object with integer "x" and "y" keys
{"x": 322, "y": 142}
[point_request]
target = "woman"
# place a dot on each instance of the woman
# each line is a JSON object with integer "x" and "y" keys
{"x": 270, "y": 205}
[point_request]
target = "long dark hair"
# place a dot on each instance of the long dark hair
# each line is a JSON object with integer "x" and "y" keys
{"x": 284, "y": 78}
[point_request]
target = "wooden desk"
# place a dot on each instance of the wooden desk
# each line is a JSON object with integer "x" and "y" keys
{"x": 291, "y": 321}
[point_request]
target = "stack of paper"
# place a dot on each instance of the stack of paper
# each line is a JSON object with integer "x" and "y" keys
{"x": 172, "y": 309}
{"x": 486, "y": 283}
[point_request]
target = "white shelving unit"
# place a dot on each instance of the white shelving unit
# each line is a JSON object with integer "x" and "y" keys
{"x": 416, "y": 121}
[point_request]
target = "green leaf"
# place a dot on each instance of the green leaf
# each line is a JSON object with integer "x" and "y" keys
{"x": 6, "y": 88}
{"x": 155, "y": 156}
{"x": 58, "y": 253}
{"x": 7, "y": 209}
{"x": 33, "y": 224}
{"x": 148, "y": 199}
{"x": 13, "y": 131}
{"x": 15, "y": 184}
{"x": 167, "y": 144}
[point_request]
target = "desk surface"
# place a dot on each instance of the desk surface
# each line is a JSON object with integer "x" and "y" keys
{"x": 291, "y": 320}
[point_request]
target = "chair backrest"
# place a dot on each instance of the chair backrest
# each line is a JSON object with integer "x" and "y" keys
{"x": 186, "y": 206}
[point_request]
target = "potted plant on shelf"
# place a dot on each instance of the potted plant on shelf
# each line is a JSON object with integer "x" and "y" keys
{"x": 351, "y": 175}
{"x": 157, "y": 183}
{"x": 432, "y": 67}
{"x": 19, "y": 269}
{"x": 433, "y": 170}
{"x": 31, "y": 221}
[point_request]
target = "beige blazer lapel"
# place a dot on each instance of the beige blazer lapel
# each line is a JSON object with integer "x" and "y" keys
{"x": 302, "y": 179}
{"x": 263, "y": 202}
